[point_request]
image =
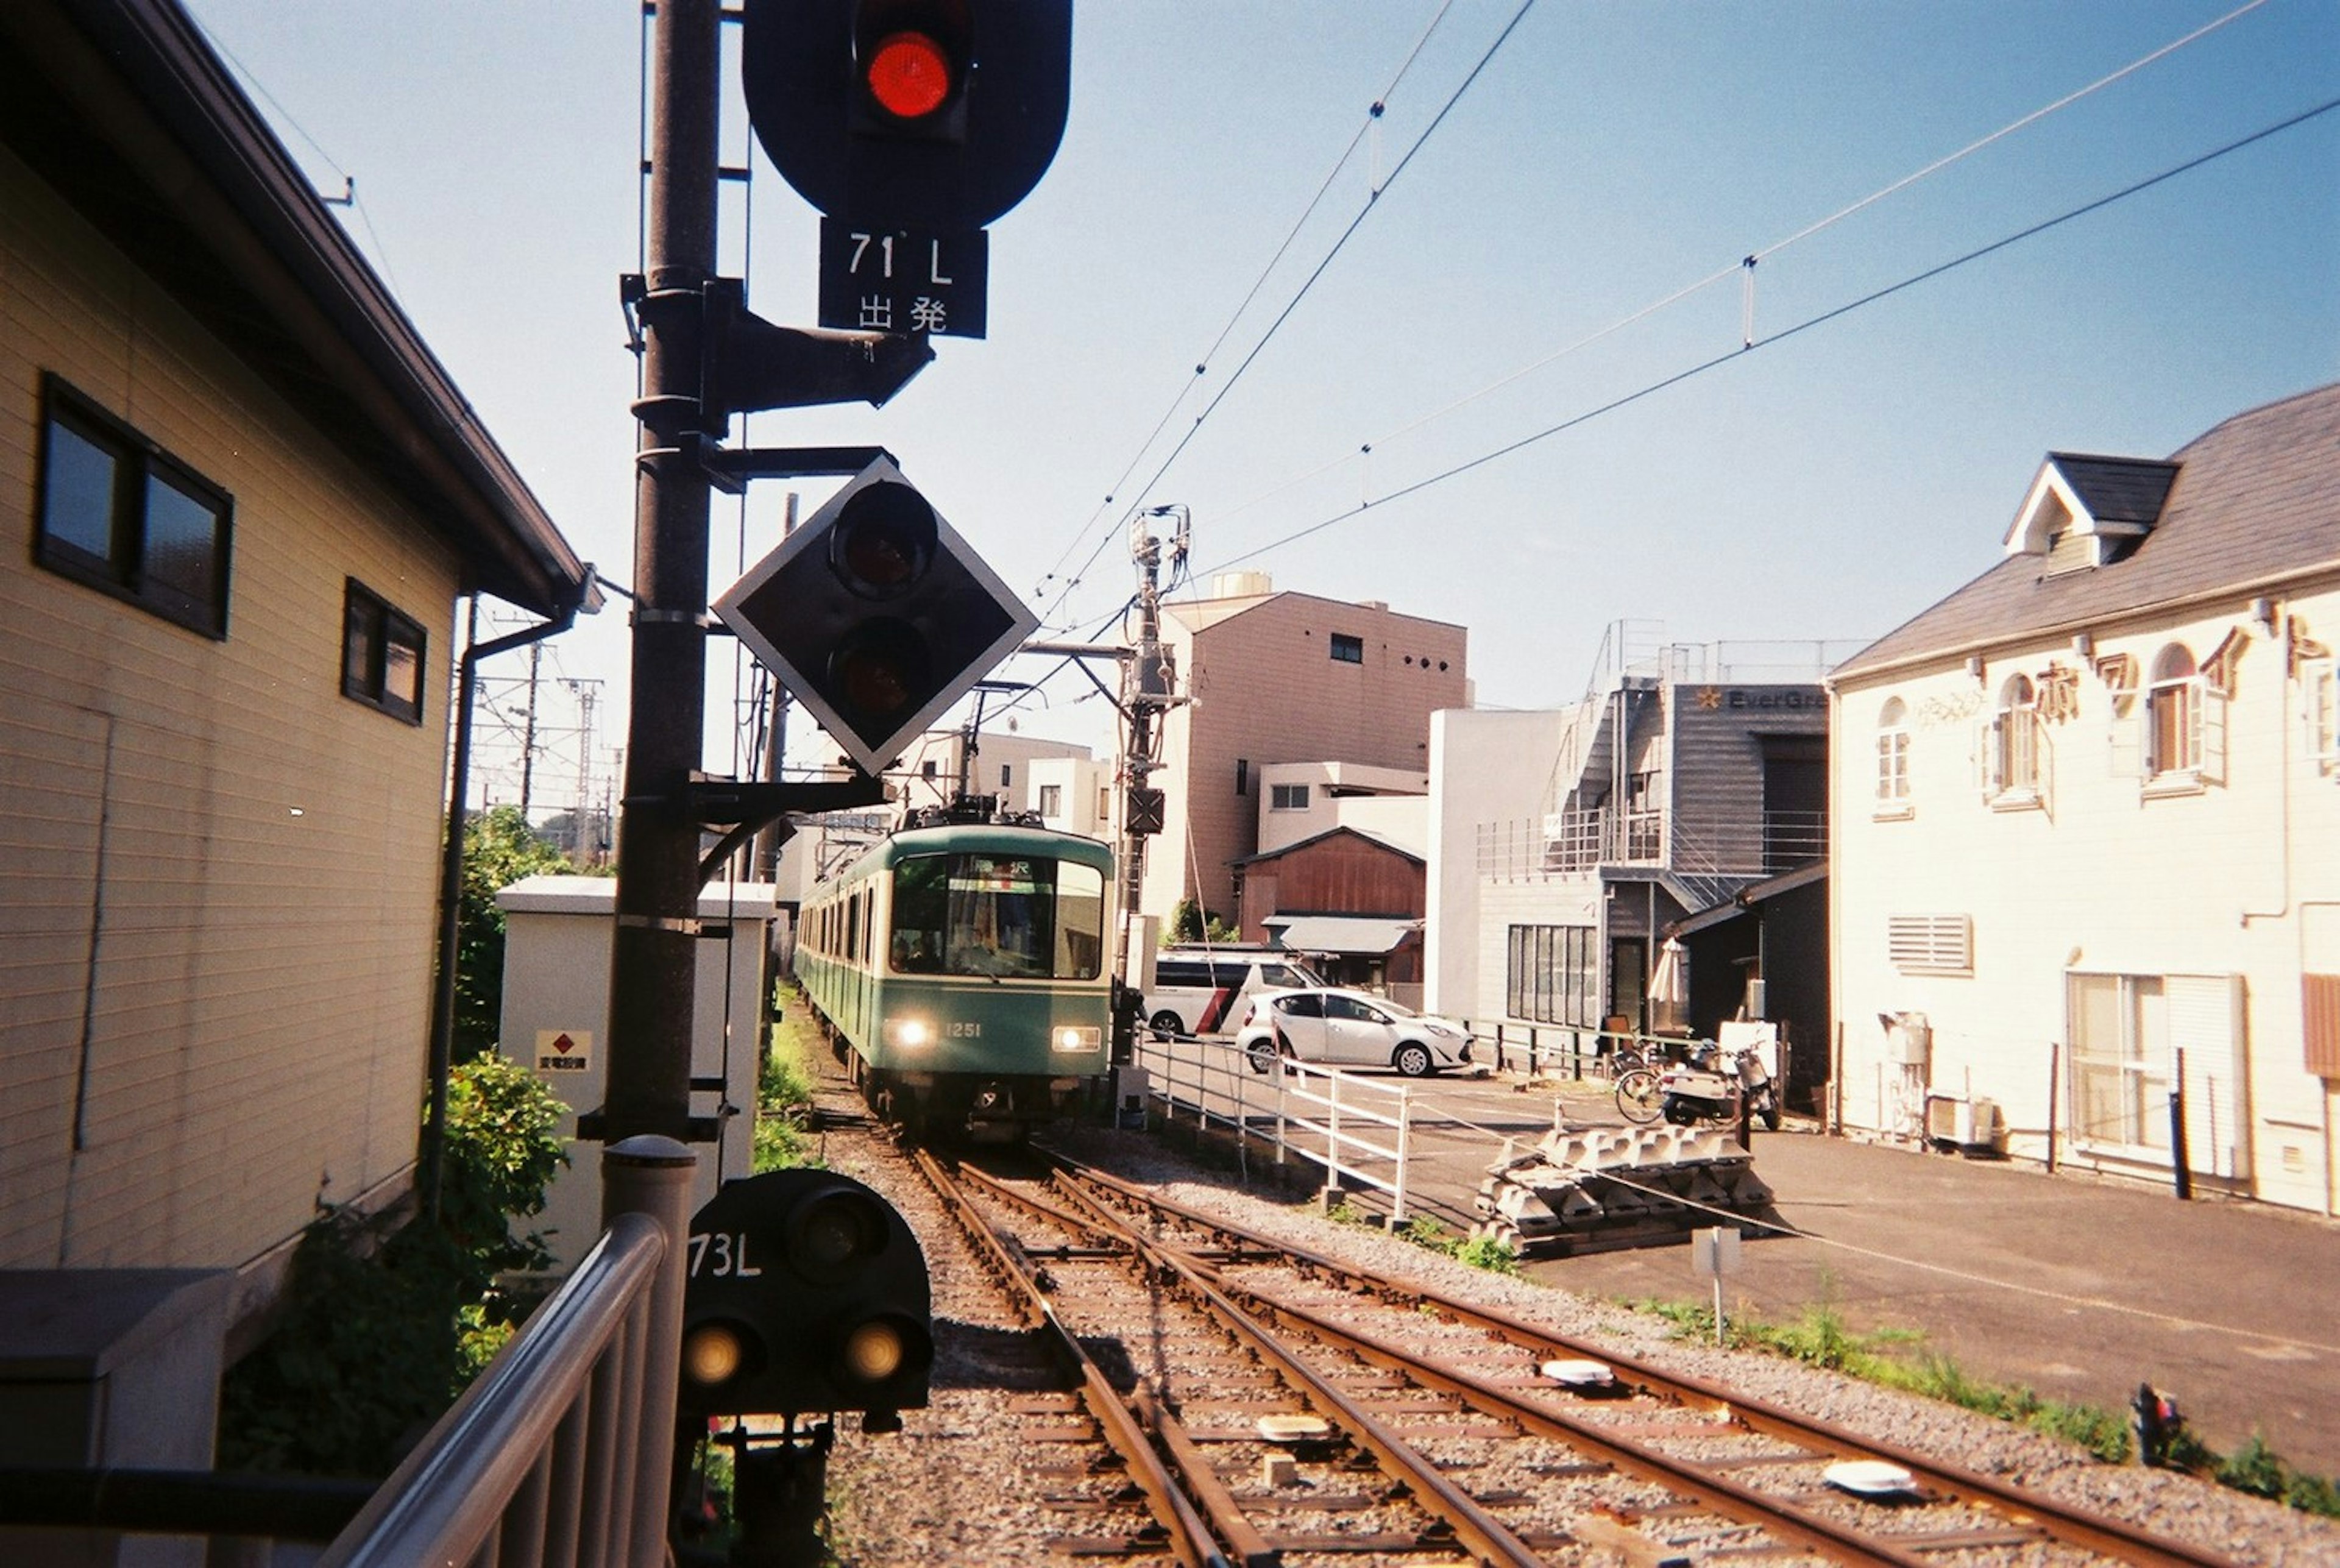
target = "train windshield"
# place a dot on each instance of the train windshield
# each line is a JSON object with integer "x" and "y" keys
{"x": 999, "y": 915}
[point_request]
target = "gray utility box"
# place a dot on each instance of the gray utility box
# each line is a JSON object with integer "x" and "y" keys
{"x": 110, "y": 1368}
{"x": 556, "y": 1021}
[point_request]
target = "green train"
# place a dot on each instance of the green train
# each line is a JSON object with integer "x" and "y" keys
{"x": 962, "y": 973}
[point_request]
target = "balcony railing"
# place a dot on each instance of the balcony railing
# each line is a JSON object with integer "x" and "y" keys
{"x": 1571, "y": 843}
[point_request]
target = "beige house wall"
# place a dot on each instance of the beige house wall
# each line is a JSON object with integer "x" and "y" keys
{"x": 217, "y": 944}
{"x": 1266, "y": 689}
{"x": 2237, "y": 878}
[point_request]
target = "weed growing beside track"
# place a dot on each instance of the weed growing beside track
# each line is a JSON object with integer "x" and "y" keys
{"x": 1820, "y": 1337}
{"x": 784, "y": 1085}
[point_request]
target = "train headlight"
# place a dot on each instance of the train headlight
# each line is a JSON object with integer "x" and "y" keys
{"x": 909, "y": 1034}
{"x": 1069, "y": 1038}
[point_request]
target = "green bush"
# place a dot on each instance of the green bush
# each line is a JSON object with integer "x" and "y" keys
{"x": 385, "y": 1322}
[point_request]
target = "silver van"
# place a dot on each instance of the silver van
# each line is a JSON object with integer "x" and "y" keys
{"x": 1200, "y": 990}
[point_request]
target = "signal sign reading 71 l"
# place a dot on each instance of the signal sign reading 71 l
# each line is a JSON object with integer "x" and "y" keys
{"x": 899, "y": 281}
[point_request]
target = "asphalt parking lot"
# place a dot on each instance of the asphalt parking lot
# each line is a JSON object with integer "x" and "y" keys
{"x": 2077, "y": 1287}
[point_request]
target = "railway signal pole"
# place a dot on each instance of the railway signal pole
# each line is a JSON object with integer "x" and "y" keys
{"x": 1146, "y": 692}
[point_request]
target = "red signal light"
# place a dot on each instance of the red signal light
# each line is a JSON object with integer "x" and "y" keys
{"x": 909, "y": 75}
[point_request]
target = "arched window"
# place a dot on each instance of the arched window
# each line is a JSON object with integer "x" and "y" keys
{"x": 2173, "y": 714}
{"x": 2014, "y": 747}
{"x": 1893, "y": 756}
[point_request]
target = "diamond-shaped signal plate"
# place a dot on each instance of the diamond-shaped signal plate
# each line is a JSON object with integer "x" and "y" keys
{"x": 793, "y": 612}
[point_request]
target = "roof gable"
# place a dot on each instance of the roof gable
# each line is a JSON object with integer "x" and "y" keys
{"x": 2107, "y": 501}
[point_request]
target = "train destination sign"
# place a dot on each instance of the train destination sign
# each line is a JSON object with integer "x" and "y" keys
{"x": 875, "y": 280}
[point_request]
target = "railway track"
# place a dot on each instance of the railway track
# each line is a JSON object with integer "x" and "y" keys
{"x": 1269, "y": 1405}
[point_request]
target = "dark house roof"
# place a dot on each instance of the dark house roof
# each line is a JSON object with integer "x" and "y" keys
{"x": 122, "y": 106}
{"x": 2118, "y": 489}
{"x": 2249, "y": 506}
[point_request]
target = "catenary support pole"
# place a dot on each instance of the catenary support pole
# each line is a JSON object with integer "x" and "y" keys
{"x": 653, "y": 957}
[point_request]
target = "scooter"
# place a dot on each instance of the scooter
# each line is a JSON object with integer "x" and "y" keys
{"x": 1709, "y": 1087}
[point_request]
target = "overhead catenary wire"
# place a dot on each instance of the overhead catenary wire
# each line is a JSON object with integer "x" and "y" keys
{"x": 1744, "y": 267}
{"x": 1373, "y": 194}
{"x": 1807, "y": 324}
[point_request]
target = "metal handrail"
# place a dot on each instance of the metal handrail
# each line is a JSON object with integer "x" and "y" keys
{"x": 1204, "y": 1075}
{"x": 560, "y": 1452}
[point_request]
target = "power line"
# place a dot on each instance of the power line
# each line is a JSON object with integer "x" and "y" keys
{"x": 1373, "y": 196}
{"x": 1806, "y": 325}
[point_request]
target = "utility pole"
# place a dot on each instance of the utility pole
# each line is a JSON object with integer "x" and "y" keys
{"x": 653, "y": 958}
{"x": 527, "y": 731}
{"x": 1146, "y": 682}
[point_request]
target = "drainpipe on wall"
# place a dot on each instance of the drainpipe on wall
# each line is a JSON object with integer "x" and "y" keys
{"x": 431, "y": 1153}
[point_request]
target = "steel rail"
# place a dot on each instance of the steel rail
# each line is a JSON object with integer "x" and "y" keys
{"x": 1841, "y": 1542}
{"x": 2111, "y": 1537}
{"x": 1475, "y": 1529}
{"x": 1190, "y": 1538}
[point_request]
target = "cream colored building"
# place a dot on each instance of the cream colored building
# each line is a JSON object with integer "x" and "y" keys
{"x": 243, "y": 500}
{"x": 2086, "y": 826}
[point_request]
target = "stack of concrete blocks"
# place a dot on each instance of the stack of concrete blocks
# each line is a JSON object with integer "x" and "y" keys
{"x": 1583, "y": 1188}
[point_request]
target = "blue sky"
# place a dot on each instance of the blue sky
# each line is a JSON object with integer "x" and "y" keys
{"x": 1826, "y": 483}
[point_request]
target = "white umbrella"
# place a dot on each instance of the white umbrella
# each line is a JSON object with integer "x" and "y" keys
{"x": 1669, "y": 977}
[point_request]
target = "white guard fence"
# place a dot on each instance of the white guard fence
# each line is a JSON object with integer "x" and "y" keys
{"x": 1357, "y": 1128}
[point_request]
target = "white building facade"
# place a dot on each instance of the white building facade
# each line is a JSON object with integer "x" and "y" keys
{"x": 2085, "y": 878}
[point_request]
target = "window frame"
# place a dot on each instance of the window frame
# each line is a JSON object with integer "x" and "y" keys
{"x": 1287, "y": 797}
{"x": 2184, "y": 712}
{"x": 2129, "y": 1072}
{"x": 1892, "y": 798}
{"x": 2014, "y": 748}
{"x": 1345, "y": 648}
{"x": 390, "y": 627}
{"x": 1552, "y": 975}
{"x": 125, "y": 570}
{"x": 2320, "y": 678}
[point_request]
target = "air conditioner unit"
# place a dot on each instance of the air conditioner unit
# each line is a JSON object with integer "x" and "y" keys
{"x": 1972, "y": 1124}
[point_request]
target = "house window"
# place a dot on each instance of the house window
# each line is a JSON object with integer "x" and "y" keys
{"x": 2185, "y": 723}
{"x": 1930, "y": 944}
{"x": 2322, "y": 680}
{"x": 121, "y": 516}
{"x": 2120, "y": 1056}
{"x": 382, "y": 654}
{"x": 1288, "y": 798}
{"x": 1242, "y": 775}
{"x": 1893, "y": 759}
{"x": 1551, "y": 974}
{"x": 1052, "y": 800}
{"x": 1004, "y": 769}
{"x": 2011, "y": 751}
{"x": 926, "y": 768}
{"x": 1348, "y": 650}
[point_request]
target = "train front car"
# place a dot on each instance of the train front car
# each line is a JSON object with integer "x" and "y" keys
{"x": 976, "y": 1001}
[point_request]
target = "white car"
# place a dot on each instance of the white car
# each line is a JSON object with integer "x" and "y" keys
{"x": 1351, "y": 1029}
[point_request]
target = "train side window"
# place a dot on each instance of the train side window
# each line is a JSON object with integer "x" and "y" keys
{"x": 921, "y": 912}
